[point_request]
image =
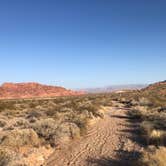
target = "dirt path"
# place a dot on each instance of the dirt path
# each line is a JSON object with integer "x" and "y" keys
{"x": 108, "y": 142}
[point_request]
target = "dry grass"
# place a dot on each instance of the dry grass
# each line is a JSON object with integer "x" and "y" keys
{"x": 46, "y": 122}
{"x": 57, "y": 119}
{"x": 4, "y": 157}
{"x": 18, "y": 138}
{"x": 46, "y": 128}
{"x": 153, "y": 135}
{"x": 153, "y": 157}
{"x": 149, "y": 107}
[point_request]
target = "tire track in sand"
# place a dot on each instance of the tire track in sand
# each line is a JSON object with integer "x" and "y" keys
{"x": 103, "y": 140}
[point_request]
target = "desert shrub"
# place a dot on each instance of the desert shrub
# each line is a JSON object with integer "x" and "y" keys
{"x": 127, "y": 103}
{"x": 161, "y": 109}
{"x": 19, "y": 123}
{"x": 22, "y": 123}
{"x": 17, "y": 138}
{"x": 7, "y": 105}
{"x": 144, "y": 101}
{"x": 134, "y": 102}
{"x": 67, "y": 130}
{"x": 90, "y": 108}
{"x": 52, "y": 112}
{"x": 4, "y": 157}
{"x": 66, "y": 109}
{"x": 32, "y": 120}
{"x": 32, "y": 104}
{"x": 152, "y": 134}
{"x": 153, "y": 157}
{"x": 81, "y": 123}
{"x": 34, "y": 114}
{"x": 51, "y": 104}
{"x": 2, "y": 122}
{"x": 135, "y": 113}
{"x": 102, "y": 101}
{"x": 86, "y": 114}
{"x": 46, "y": 128}
{"x": 10, "y": 113}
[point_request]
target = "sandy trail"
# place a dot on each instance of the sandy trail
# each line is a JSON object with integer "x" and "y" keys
{"x": 107, "y": 143}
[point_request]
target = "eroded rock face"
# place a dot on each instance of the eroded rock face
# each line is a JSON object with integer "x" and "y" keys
{"x": 30, "y": 90}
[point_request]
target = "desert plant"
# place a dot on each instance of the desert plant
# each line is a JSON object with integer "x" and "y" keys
{"x": 143, "y": 101}
{"x": 153, "y": 157}
{"x": 135, "y": 114}
{"x": 2, "y": 122}
{"x": 67, "y": 130}
{"x": 34, "y": 114}
{"x": 17, "y": 138}
{"x": 5, "y": 157}
{"x": 46, "y": 128}
{"x": 14, "y": 123}
{"x": 152, "y": 134}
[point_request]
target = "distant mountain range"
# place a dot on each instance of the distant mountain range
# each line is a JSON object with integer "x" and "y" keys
{"x": 32, "y": 89}
{"x": 114, "y": 88}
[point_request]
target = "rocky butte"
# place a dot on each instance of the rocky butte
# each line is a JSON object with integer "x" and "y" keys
{"x": 32, "y": 89}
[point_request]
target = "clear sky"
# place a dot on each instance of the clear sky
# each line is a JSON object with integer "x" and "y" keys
{"x": 83, "y": 43}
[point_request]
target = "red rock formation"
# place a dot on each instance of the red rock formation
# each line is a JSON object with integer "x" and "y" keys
{"x": 31, "y": 90}
{"x": 157, "y": 88}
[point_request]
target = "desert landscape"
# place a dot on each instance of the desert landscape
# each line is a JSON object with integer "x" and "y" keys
{"x": 124, "y": 128}
{"x": 82, "y": 83}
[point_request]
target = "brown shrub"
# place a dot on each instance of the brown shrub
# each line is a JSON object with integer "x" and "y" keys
{"x": 19, "y": 123}
{"x": 46, "y": 128}
{"x": 151, "y": 134}
{"x": 143, "y": 101}
{"x": 67, "y": 131}
{"x": 17, "y": 138}
{"x": 34, "y": 114}
{"x": 4, "y": 157}
{"x": 2, "y": 122}
{"x": 82, "y": 123}
{"x": 138, "y": 112}
{"x": 153, "y": 157}
{"x": 90, "y": 108}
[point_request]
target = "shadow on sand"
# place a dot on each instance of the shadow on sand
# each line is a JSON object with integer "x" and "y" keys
{"x": 124, "y": 158}
{"x": 133, "y": 129}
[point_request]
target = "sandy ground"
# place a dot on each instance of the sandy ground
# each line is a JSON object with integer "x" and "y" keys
{"x": 109, "y": 142}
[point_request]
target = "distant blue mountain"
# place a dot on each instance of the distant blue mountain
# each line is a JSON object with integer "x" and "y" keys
{"x": 113, "y": 88}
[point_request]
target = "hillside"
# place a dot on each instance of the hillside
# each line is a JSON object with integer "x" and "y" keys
{"x": 30, "y": 90}
{"x": 158, "y": 88}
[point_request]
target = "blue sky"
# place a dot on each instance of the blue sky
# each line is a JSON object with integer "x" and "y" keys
{"x": 83, "y": 43}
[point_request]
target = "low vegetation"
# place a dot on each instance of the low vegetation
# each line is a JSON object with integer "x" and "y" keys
{"x": 35, "y": 123}
{"x": 148, "y": 106}
{"x": 28, "y": 125}
{"x": 153, "y": 157}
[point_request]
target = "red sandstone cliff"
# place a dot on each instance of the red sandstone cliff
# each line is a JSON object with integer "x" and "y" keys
{"x": 30, "y": 90}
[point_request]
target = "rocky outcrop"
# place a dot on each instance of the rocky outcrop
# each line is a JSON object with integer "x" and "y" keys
{"x": 157, "y": 88}
{"x": 31, "y": 90}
